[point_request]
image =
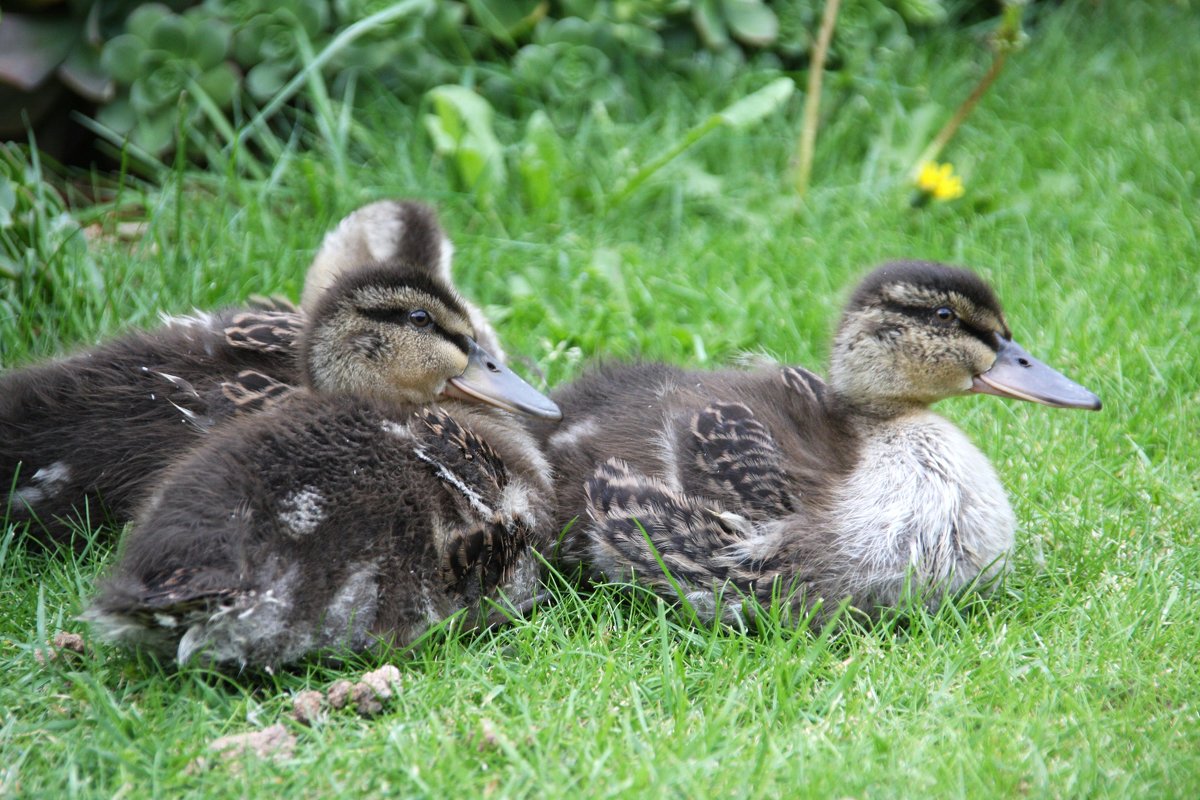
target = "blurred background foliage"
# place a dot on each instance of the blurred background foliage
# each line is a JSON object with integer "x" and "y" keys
{"x": 147, "y": 70}
{"x": 506, "y": 93}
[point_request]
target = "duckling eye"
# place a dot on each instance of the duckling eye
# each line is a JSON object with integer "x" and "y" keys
{"x": 945, "y": 314}
{"x": 420, "y": 317}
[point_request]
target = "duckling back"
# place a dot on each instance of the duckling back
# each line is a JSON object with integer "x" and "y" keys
{"x": 331, "y": 521}
{"x": 95, "y": 429}
{"x": 89, "y": 429}
{"x": 759, "y": 485}
{"x": 773, "y": 484}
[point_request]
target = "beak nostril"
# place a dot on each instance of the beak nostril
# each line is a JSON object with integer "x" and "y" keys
{"x": 1024, "y": 362}
{"x": 492, "y": 366}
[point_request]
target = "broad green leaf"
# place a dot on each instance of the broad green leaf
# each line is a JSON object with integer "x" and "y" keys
{"x": 507, "y": 19}
{"x": 753, "y": 107}
{"x": 464, "y": 120}
{"x": 751, "y": 22}
{"x": 443, "y": 142}
{"x": 118, "y": 115}
{"x": 121, "y": 56}
{"x": 220, "y": 84}
{"x": 172, "y": 33}
{"x": 266, "y": 79}
{"x": 210, "y": 43}
{"x": 83, "y": 73}
{"x": 145, "y": 18}
{"x": 706, "y": 16}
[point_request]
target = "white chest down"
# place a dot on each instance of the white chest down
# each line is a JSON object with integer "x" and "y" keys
{"x": 922, "y": 514}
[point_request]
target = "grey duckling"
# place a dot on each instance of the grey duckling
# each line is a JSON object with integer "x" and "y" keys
{"x": 97, "y": 427}
{"x": 386, "y": 494}
{"x": 774, "y": 482}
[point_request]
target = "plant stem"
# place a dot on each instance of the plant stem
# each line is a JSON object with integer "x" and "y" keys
{"x": 812, "y": 103}
{"x": 1008, "y": 39}
{"x": 951, "y": 127}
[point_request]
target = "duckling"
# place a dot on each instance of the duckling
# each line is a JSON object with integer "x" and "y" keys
{"x": 386, "y": 494}
{"x": 776, "y": 483}
{"x": 100, "y": 425}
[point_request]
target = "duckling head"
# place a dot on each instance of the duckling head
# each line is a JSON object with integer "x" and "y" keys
{"x": 915, "y": 332}
{"x": 398, "y": 333}
{"x": 383, "y": 232}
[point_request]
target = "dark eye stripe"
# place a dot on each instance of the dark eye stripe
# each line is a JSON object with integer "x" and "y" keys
{"x": 923, "y": 314}
{"x": 399, "y": 316}
{"x": 394, "y": 316}
{"x": 456, "y": 339}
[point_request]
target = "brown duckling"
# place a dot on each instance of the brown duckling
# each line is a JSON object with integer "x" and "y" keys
{"x": 775, "y": 483}
{"x": 100, "y": 425}
{"x": 364, "y": 506}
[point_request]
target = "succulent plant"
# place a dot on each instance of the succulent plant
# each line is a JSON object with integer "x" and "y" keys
{"x": 267, "y": 35}
{"x": 161, "y": 57}
{"x": 49, "y": 47}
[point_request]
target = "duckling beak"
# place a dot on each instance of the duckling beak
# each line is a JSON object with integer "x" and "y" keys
{"x": 487, "y": 380}
{"x": 1019, "y": 375}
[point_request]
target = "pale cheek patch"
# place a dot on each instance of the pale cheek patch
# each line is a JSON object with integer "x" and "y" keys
{"x": 302, "y": 512}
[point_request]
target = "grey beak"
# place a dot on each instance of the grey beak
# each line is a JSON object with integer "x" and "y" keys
{"x": 1019, "y": 375}
{"x": 487, "y": 380}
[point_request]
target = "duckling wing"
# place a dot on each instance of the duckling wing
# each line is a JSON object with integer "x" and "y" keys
{"x": 251, "y": 391}
{"x": 740, "y": 460}
{"x": 483, "y": 548}
{"x": 276, "y": 303}
{"x": 264, "y": 331}
{"x": 639, "y": 526}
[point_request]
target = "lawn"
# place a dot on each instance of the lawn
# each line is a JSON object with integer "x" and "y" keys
{"x": 1079, "y": 679}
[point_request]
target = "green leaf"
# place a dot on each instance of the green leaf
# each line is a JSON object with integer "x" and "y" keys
{"x": 444, "y": 143}
{"x": 145, "y": 18}
{"x": 706, "y": 16}
{"x": 751, "y": 22}
{"x": 173, "y": 33}
{"x": 84, "y": 74}
{"x": 118, "y": 115}
{"x": 155, "y": 134}
{"x": 266, "y": 79}
{"x": 220, "y": 84}
{"x": 922, "y": 12}
{"x": 121, "y": 58}
{"x": 748, "y": 110}
{"x": 210, "y": 43}
{"x": 505, "y": 20}
{"x": 464, "y": 119}
{"x": 754, "y": 107}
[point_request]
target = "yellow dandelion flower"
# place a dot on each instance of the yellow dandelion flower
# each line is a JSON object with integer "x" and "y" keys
{"x": 939, "y": 181}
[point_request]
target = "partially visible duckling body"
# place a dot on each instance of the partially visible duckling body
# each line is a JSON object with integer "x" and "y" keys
{"x": 774, "y": 483}
{"x": 352, "y": 510}
{"x": 100, "y": 425}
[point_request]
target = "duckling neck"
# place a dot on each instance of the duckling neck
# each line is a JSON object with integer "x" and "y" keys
{"x": 921, "y": 508}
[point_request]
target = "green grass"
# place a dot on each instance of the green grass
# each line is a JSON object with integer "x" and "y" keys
{"x": 1080, "y": 679}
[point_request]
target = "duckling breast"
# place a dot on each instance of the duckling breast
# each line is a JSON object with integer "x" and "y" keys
{"x": 923, "y": 510}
